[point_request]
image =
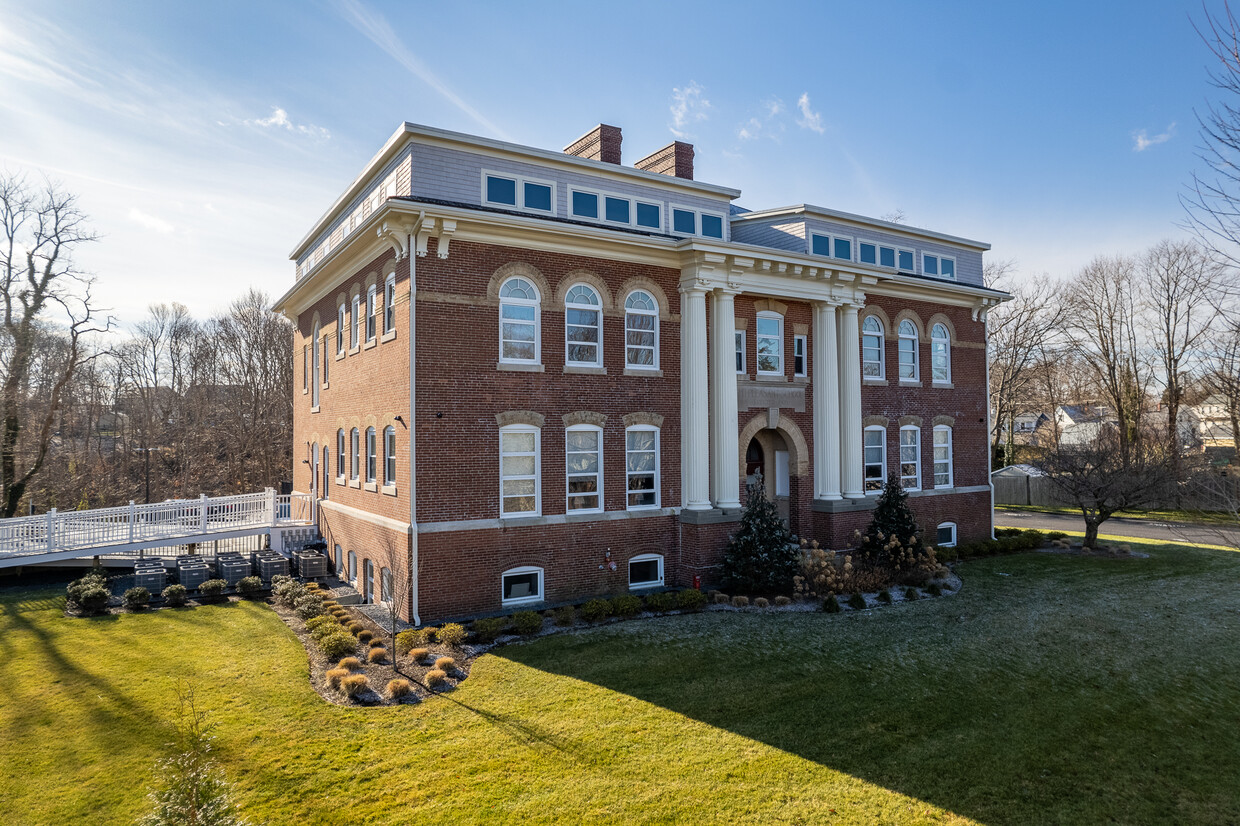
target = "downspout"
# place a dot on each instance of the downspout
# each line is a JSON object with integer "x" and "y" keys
{"x": 413, "y": 419}
{"x": 990, "y": 454}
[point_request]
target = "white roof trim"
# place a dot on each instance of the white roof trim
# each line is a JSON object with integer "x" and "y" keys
{"x": 824, "y": 212}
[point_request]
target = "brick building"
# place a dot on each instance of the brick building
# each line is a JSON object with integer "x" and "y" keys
{"x": 528, "y": 376}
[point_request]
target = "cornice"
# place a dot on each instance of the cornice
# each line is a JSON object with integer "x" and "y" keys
{"x": 859, "y": 220}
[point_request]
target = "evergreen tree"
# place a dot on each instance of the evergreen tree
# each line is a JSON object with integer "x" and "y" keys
{"x": 892, "y": 518}
{"x": 760, "y": 557}
{"x": 191, "y": 788}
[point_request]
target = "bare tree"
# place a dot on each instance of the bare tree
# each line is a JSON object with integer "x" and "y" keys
{"x": 42, "y": 291}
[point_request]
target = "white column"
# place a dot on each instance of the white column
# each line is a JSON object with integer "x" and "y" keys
{"x": 826, "y": 403}
{"x": 694, "y": 407}
{"x": 851, "y": 468}
{"x": 724, "y": 437}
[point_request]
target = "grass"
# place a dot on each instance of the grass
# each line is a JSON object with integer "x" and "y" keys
{"x": 1199, "y": 517}
{"x": 1052, "y": 689}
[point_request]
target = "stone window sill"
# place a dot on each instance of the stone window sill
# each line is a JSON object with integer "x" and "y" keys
{"x": 653, "y": 374}
{"x": 340, "y": 355}
{"x": 353, "y": 351}
{"x": 910, "y": 383}
{"x": 388, "y": 336}
{"x": 355, "y": 484}
{"x": 875, "y": 382}
{"x": 369, "y": 344}
{"x": 388, "y": 490}
{"x": 327, "y": 385}
{"x": 584, "y": 371}
{"x": 314, "y": 408}
{"x": 372, "y": 487}
{"x": 947, "y": 385}
{"x": 519, "y": 367}
{"x": 340, "y": 480}
{"x": 780, "y": 379}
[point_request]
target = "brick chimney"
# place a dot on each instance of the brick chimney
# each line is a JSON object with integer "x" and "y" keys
{"x": 674, "y": 159}
{"x": 602, "y": 143}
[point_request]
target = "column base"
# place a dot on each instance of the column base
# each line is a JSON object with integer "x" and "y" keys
{"x": 842, "y": 505}
{"x": 711, "y": 516}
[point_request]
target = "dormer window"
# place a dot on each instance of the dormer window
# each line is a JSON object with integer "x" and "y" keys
{"x": 696, "y": 222}
{"x": 518, "y": 192}
{"x": 832, "y": 246}
{"x": 939, "y": 266}
{"x": 615, "y": 209}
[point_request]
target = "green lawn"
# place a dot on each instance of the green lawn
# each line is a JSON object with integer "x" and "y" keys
{"x": 1050, "y": 690}
{"x": 1205, "y": 517}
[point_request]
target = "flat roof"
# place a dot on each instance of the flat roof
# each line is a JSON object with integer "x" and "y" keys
{"x": 835, "y": 214}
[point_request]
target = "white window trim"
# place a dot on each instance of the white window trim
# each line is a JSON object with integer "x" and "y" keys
{"x": 603, "y": 195}
{"x": 654, "y": 314}
{"x": 646, "y": 558}
{"x": 352, "y": 571}
{"x": 877, "y": 255}
{"x": 915, "y": 337}
{"x": 831, "y": 238}
{"x": 525, "y": 569}
{"x": 522, "y": 428}
{"x": 355, "y": 450}
{"x": 951, "y": 469}
{"x": 536, "y": 303}
{"x": 802, "y": 343}
{"x": 946, "y": 342}
{"x": 882, "y": 479}
{"x": 598, "y": 474}
{"x": 372, "y": 323}
{"x": 316, "y": 381}
{"x": 389, "y": 303}
{"x": 917, "y": 460}
{"x": 912, "y": 253}
{"x": 341, "y": 456}
{"x": 697, "y": 221}
{"x": 521, "y": 181}
{"x": 389, "y": 456}
{"x": 940, "y": 526}
{"x": 372, "y": 455}
{"x": 882, "y": 348}
{"x": 597, "y": 308}
{"x": 743, "y": 371}
{"x": 769, "y": 315}
{"x": 355, "y": 310}
{"x": 341, "y": 323}
{"x": 658, "y": 481}
{"x": 940, "y": 259}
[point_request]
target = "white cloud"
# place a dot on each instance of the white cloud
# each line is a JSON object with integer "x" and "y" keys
{"x": 1142, "y": 140}
{"x": 809, "y": 118}
{"x": 280, "y": 119}
{"x": 375, "y": 27}
{"x": 150, "y": 221}
{"x": 773, "y": 107}
{"x": 688, "y": 107}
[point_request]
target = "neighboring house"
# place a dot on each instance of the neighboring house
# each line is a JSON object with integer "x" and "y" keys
{"x": 1081, "y": 424}
{"x": 526, "y": 376}
{"x": 1024, "y": 425}
{"x": 1207, "y": 426}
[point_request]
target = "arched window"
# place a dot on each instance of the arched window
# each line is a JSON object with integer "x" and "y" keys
{"x": 910, "y": 457}
{"x": 371, "y": 300}
{"x": 355, "y": 312}
{"x": 371, "y": 455}
{"x": 354, "y": 454}
{"x": 942, "y": 456}
{"x": 945, "y": 535}
{"x": 940, "y": 355}
{"x": 327, "y": 470}
{"x": 519, "y": 469}
{"x": 519, "y": 339}
{"x": 871, "y": 348}
{"x": 341, "y": 323}
{"x": 315, "y": 379}
{"x": 641, "y": 331}
{"x": 875, "y": 459}
{"x": 769, "y": 337}
{"x": 908, "y": 350}
{"x": 641, "y": 454}
{"x": 314, "y": 470}
{"x": 340, "y": 454}
{"x": 389, "y": 303}
{"x": 389, "y": 455}
{"x": 583, "y": 458}
{"x": 646, "y": 571}
{"x": 519, "y": 586}
{"x": 340, "y": 562}
{"x": 583, "y": 329}
{"x": 385, "y": 584}
{"x": 353, "y": 568}
{"x": 368, "y": 580}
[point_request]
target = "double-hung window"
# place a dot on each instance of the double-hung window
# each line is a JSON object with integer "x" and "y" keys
{"x": 940, "y": 266}
{"x": 389, "y": 303}
{"x": 355, "y": 313}
{"x": 740, "y": 352}
{"x": 583, "y": 328}
{"x": 389, "y": 455}
{"x": 341, "y": 323}
{"x": 770, "y": 335}
{"x": 371, "y": 295}
{"x": 519, "y": 192}
{"x": 641, "y": 455}
{"x": 518, "y": 322}
{"x": 798, "y": 356}
{"x": 519, "y": 471}
{"x": 942, "y": 456}
{"x": 910, "y": 457}
{"x": 583, "y": 457}
{"x": 908, "y": 350}
{"x": 340, "y": 455}
{"x": 874, "y": 449}
{"x": 940, "y": 355}
{"x": 315, "y": 380}
{"x": 354, "y": 454}
{"x": 641, "y": 331}
{"x": 371, "y": 458}
{"x": 871, "y": 348}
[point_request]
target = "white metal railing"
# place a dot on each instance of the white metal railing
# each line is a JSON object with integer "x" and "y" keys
{"x": 175, "y": 519}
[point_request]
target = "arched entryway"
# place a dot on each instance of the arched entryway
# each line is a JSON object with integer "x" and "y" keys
{"x": 774, "y": 446}
{"x": 767, "y": 454}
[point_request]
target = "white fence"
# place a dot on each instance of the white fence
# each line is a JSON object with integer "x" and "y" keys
{"x": 157, "y": 523}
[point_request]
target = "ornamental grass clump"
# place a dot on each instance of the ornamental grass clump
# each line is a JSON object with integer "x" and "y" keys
{"x": 761, "y": 602}
{"x": 377, "y": 642}
{"x": 691, "y": 600}
{"x": 783, "y": 602}
{"x": 527, "y": 622}
{"x": 376, "y": 655}
{"x": 135, "y": 599}
{"x": 435, "y": 678}
{"x": 335, "y": 675}
{"x": 596, "y": 610}
{"x": 934, "y": 589}
{"x": 354, "y": 685}
{"x": 626, "y": 605}
{"x": 723, "y": 599}
{"x": 398, "y": 688}
{"x": 419, "y": 654}
{"x": 365, "y": 636}
{"x": 445, "y": 664}
{"x": 351, "y": 663}
{"x": 486, "y": 630}
{"x": 740, "y": 602}
{"x": 355, "y": 628}
{"x": 175, "y": 596}
{"x": 452, "y": 635}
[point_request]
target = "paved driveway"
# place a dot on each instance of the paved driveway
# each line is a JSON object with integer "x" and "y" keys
{"x": 1123, "y": 526}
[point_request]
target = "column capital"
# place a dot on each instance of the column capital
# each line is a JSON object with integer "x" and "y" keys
{"x": 695, "y": 284}
{"x": 728, "y": 289}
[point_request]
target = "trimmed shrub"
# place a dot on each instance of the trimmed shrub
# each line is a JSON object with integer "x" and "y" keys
{"x": 337, "y": 644}
{"x": 287, "y": 591}
{"x": 330, "y": 605}
{"x": 761, "y": 602}
{"x": 398, "y": 688}
{"x": 418, "y": 654}
{"x": 451, "y": 635}
{"x": 354, "y": 685}
{"x": 661, "y": 602}
{"x": 212, "y": 589}
{"x": 435, "y": 678}
{"x": 78, "y": 587}
{"x": 335, "y": 675}
{"x": 426, "y": 635}
{"x": 355, "y": 628}
{"x": 857, "y": 601}
{"x": 884, "y": 597}
{"x": 596, "y": 610}
{"x": 527, "y": 622}
{"x": 446, "y": 664}
{"x": 1052, "y": 536}
{"x": 93, "y": 599}
{"x": 406, "y": 640}
{"x": 831, "y": 605}
{"x": 278, "y": 578}
{"x": 308, "y": 606}
{"x": 327, "y": 629}
{"x": 315, "y": 623}
{"x": 365, "y": 636}
{"x": 934, "y": 589}
{"x": 740, "y": 602}
{"x": 488, "y": 629}
{"x": 175, "y": 596}
{"x": 626, "y": 605}
{"x": 351, "y": 663}
{"x": 136, "y": 599}
{"x": 250, "y": 587}
{"x": 783, "y": 602}
{"x": 376, "y": 655}
{"x": 564, "y": 616}
{"x": 911, "y": 594}
{"x": 691, "y": 599}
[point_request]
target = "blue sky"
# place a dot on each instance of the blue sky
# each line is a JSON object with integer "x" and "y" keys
{"x": 204, "y": 139}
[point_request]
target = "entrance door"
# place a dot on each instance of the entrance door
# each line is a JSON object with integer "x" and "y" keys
{"x": 782, "y": 483}
{"x": 755, "y": 463}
